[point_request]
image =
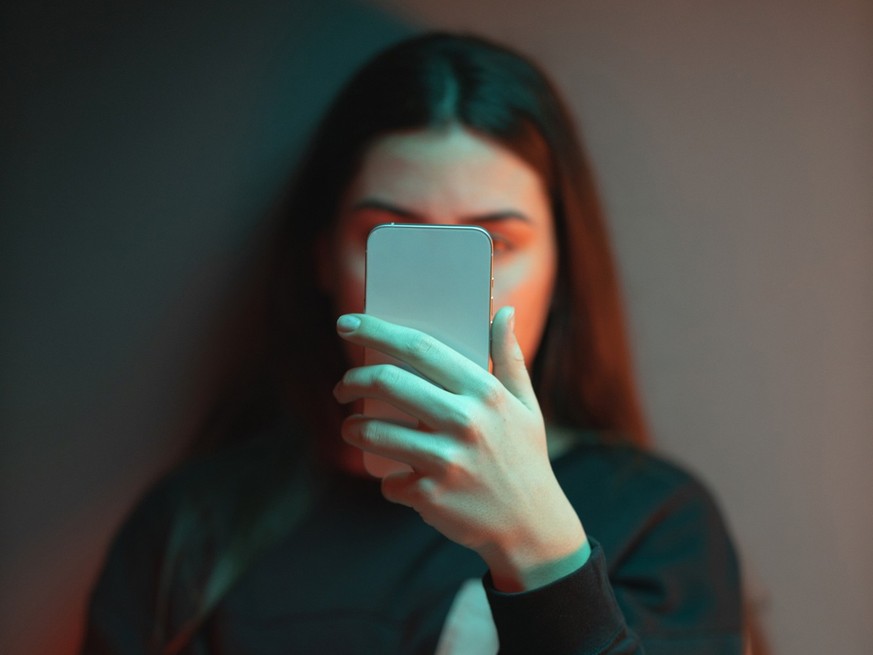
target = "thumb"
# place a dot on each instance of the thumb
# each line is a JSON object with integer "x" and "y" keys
{"x": 508, "y": 359}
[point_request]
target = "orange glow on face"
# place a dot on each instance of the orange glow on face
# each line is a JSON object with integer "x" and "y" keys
{"x": 451, "y": 176}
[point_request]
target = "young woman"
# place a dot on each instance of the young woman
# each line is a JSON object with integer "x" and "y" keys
{"x": 532, "y": 520}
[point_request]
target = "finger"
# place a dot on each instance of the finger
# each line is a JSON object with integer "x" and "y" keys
{"x": 403, "y": 444}
{"x": 402, "y": 488}
{"x": 426, "y": 354}
{"x": 509, "y": 366}
{"x": 408, "y": 392}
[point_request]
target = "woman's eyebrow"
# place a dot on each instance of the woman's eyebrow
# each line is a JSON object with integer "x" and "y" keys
{"x": 382, "y": 206}
{"x": 408, "y": 214}
{"x": 497, "y": 217}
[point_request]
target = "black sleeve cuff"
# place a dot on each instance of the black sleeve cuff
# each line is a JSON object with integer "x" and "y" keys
{"x": 576, "y": 614}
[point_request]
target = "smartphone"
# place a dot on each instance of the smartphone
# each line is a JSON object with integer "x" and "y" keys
{"x": 436, "y": 279}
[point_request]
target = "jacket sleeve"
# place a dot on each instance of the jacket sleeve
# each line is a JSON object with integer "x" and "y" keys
{"x": 575, "y": 614}
{"x": 674, "y": 591}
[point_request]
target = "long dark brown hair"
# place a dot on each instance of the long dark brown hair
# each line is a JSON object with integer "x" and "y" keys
{"x": 582, "y": 371}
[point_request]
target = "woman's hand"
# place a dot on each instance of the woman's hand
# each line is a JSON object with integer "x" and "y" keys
{"x": 480, "y": 468}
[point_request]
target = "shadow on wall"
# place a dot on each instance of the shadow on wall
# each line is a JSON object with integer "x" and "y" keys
{"x": 143, "y": 145}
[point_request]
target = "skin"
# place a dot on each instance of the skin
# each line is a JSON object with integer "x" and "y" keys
{"x": 451, "y": 176}
{"x": 481, "y": 471}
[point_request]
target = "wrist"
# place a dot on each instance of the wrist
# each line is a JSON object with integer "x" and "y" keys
{"x": 525, "y": 562}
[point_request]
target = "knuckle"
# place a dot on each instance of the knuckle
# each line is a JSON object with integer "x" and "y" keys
{"x": 371, "y": 433}
{"x": 451, "y": 462}
{"x": 350, "y": 377}
{"x": 463, "y": 416}
{"x": 491, "y": 392}
{"x": 402, "y": 490}
{"x": 399, "y": 489}
{"x": 425, "y": 492}
{"x": 385, "y": 378}
{"x": 468, "y": 421}
{"x": 442, "y": 458}
{"x": 420, "y": 346}
{"x": 390, "y": 489}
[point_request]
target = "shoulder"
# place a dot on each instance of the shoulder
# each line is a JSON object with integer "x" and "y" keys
{"x": 207, "y": 489}
{"x": 624, "y": 470}
{"x": 663, "y": 535}
{"x": 169, "y": 539}
{"x": 626, "y": 495}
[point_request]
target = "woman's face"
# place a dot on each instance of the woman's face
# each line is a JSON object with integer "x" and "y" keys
{"x": 450, "y": 176}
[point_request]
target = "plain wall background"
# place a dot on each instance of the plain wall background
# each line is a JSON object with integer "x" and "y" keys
{"x": 143, "y": 142}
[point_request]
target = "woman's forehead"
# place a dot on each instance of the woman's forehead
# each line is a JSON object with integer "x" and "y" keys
{"x": 446, "y": 171}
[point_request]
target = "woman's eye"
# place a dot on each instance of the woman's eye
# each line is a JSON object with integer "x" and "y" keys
{"x": 501, "y": 244}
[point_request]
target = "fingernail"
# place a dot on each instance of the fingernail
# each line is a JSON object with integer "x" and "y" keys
{"x": 347, "y": 323}
{"x": 512, "y": 319}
